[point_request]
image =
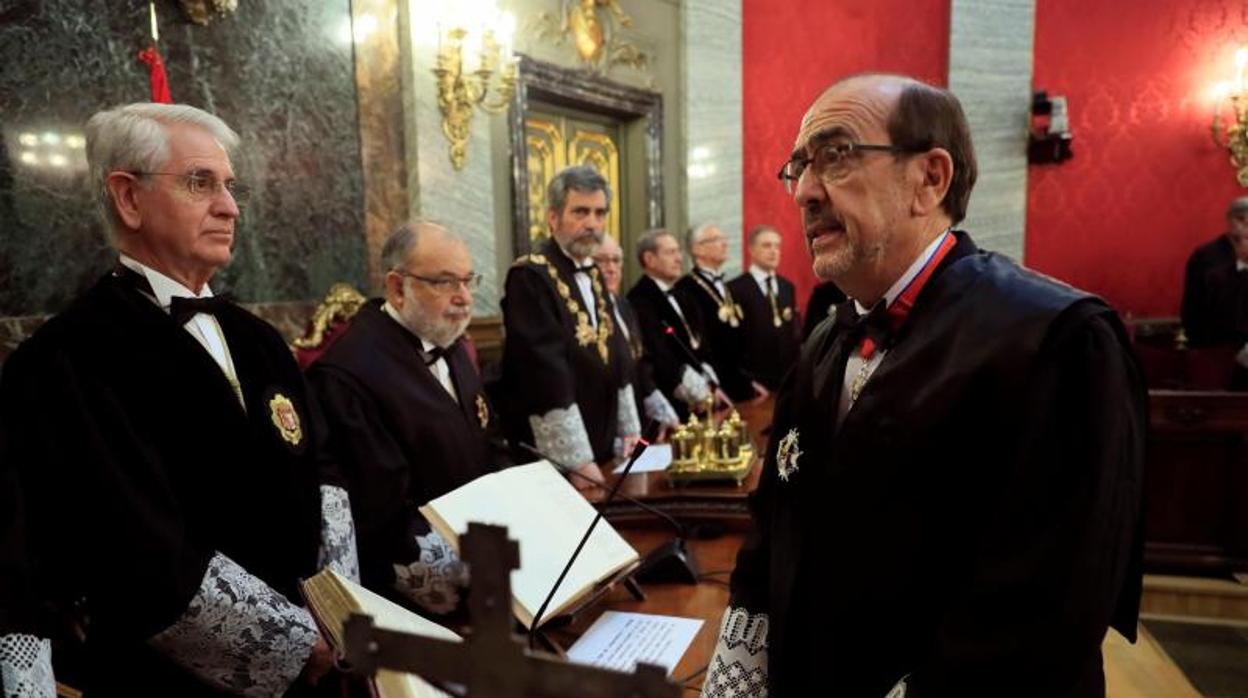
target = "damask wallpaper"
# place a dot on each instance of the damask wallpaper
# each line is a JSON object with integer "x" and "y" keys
{"x": 1147, "y": 184}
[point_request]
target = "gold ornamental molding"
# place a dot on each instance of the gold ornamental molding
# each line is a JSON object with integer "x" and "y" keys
{"x": 592, "y": 27}
{"x": 202, "y": 12}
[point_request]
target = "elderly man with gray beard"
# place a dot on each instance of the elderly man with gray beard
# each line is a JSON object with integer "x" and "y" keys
{"x": 409, "y": 419}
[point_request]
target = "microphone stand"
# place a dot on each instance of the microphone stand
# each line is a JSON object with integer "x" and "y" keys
{"x": 639, "y": 449}
{"x": 670, "y": 563}
{"x": 692, "y": 357}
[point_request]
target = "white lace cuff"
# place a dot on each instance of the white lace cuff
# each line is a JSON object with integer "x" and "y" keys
{"x": 659, "y": 409}
{"x": 26, "y": 667}
{"x": 338, "y": 551}
{"x": 739, "y": 666}
{"x": 433, "y": 581}
{"x": 899, "y": 691}
{"x": 693, "y": 388}
{"x": 240, "y": 635}
{"x": 560, "y": 434}
{"x": 629, "y": 423}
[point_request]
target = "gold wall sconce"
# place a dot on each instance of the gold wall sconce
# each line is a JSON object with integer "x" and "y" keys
{"x": 474, "y": 59}
{"x": 1233, "y": 136}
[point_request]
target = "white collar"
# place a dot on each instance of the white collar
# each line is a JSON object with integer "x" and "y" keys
{"x": 390, "y": 310}
{"x": 578, "y": 262}
{"x": 759, "y": 274}
{"x": 912, "y": 271}
{"x": 707, "y": 271}
{"x": 163, "y": 287}
{"x": 1240, "y": 264}
{"x": 663, "y": 286}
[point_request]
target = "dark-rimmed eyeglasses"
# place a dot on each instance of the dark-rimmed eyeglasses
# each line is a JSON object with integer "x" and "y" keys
{"x": 831, "y": 161}
{"x": 445, "y": 285}
{"x": 205, "y": 186}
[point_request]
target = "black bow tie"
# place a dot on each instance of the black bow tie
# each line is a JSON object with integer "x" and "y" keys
{"x": 875, "y": 324}
{"x": 588, "y": 268}
{"x": 713, "y": 278}
{"x": 183, "y": 309}
{"x": 433, "y": 355}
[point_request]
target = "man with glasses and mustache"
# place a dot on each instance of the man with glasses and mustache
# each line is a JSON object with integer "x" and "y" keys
{"x": 565, "y": 375}
{"x": 168, "y": 453}
{"x": 408, "y": 415}
{"x": 951, "y": 501}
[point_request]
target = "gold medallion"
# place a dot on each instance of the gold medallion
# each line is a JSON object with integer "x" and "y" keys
{"x": 483, "y": 411}
{"x": 286, "y": 419}
{"x": 787, "y": 314}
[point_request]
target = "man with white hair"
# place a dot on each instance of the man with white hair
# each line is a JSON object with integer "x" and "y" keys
{"x": 165, "y": 443}
{"x": 408, "y": 416}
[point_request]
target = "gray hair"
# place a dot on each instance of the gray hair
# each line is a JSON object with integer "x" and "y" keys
{"x": 649, "y": 242}
{"x": 403, "y": 241}
{"x": 133, "y": 138}
{"x": 1238, "y": 206}
{"x": 695, "y": 232}
{"x": 582, "y": 178}
{"x": 759, "y": 230}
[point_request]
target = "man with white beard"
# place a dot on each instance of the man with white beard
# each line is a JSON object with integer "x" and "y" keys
{"x": 408, "y": 417}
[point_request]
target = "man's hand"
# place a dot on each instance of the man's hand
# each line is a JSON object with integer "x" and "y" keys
{"x": 588, "y": 470}
{"x": 760, "y": 393}
{"x": 320, "y": 662}
{"x": 627, "y": 444}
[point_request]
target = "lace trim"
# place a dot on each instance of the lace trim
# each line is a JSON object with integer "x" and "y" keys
{"x": 240, "y": 635}
{"x": 629, "y": 423}
{"x": 659, "y": 409}
{"x": 560, "y": 433}
{"x": 899, "y": 691}
{"x": 739, "y": 666}
{"x": 26, "y": 667}
{"x": 338, "y": 551}
{"x": 433, "y": 581}
{"x": 709, "y": 370}
{"x": 693, "y": 387}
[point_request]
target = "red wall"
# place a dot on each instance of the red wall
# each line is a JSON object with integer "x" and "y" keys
{"x": 790, "y": 52}
{"x": 1146, "y": 184}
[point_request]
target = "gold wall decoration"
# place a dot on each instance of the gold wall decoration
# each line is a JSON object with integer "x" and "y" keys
{"x": 592, "y": 27}
{"x": 555, "y": 142}
{"x": 1234, "y": 136}
{"x": 202, "y": 12}
{"x": 461, "y": 88}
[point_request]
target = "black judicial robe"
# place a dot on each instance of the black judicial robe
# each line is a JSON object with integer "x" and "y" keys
{"x": 723, "y": 341}
{"x": 975, "y": 522}
{"x": 667, "y": 353}
{"x": 1215, "y": 297}
{"x": 138, "y": 463}
{"x": 398, "y": 436}
{"x": 641, "y": 373}
{"x": 545, "y": 366}
{"x": 823, "y": 300}
{"x": 768, "y": 352}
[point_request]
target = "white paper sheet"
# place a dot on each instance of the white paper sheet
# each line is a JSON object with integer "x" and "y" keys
{"x": 656, "y": 457}
{"x": 619, "y": 640}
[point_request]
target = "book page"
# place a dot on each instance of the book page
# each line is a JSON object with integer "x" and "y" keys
{"x": 546, "y": 514}
{"x": 619, "y": 640}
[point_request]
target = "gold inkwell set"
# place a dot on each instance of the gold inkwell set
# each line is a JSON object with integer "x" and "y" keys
{"x": 705, "y": 451}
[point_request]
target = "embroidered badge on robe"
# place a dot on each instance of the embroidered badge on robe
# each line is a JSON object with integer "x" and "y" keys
{"x": 483, "y": 411}
{"x": 286, "y": 419}
{"x": 787, "y": 454}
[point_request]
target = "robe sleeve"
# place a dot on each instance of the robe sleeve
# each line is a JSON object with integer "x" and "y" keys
{"x": 60, "y": 424}
{"x": 25, "y": 659}
{"x": 1060, "y": 557}
{"x": 540, "y": 377}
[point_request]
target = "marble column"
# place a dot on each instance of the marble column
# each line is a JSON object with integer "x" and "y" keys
{"x": 990, "y": 69}
{"x": 711, "y": 100}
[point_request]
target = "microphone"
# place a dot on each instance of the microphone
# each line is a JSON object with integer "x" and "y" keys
{"x": 672, "y": 562}
{"x": 690, "y": 355}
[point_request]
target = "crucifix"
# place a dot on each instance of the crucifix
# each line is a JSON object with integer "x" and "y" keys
{"x": 491, "y": 662}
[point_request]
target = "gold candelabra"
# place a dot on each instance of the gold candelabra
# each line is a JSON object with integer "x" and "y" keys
{"x": 1233, "y": 137}
{"x": 460, "y": 90}
{"x": 705, "y": 450}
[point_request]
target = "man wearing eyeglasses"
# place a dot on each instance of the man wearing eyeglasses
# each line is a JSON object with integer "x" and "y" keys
{"x": 409, "y": 419}
{"x": 565, "y": 362}
{"x": 705, "y": 289}
{"x": 951, "y": 501}
{"x": 167, "y": 449}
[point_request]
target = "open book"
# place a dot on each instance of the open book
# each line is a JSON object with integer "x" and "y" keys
{"x": 332, "y": 598}
{"x": 547, "y": 516}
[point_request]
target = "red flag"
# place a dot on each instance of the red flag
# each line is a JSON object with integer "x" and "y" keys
{"x": 156, "y": 71}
